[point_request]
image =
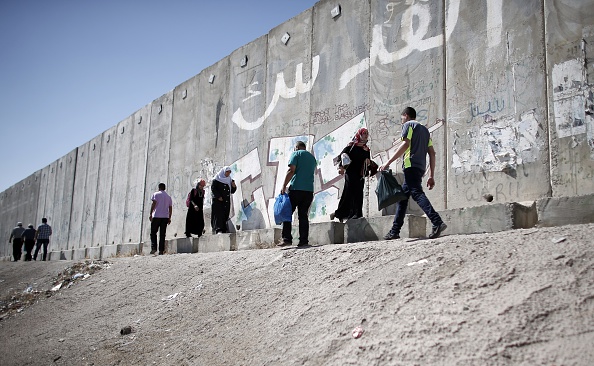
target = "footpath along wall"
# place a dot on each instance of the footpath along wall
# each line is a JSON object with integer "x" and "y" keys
{"x": 505, "y": 86}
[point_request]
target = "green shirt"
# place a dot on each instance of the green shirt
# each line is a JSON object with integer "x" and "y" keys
{"x": 305, "y": 167}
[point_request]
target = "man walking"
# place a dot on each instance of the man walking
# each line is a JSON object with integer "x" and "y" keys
{"x": 160, "y": 217}
{"x": 44, "y": 231}
{"x": 417, "y": 144}
{"x": 29, "y": 240}
{"x": 16, "y": 237}
{"x": 300, "y": 178}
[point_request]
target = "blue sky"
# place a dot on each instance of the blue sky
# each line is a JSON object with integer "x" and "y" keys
{"x": 71, "y": 69}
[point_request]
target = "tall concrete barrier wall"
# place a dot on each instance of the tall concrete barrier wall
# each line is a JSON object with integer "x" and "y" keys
{"x": 505, "y": 87}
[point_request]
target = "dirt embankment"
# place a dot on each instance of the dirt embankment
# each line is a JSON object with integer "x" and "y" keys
{"x": 523, "y": 297}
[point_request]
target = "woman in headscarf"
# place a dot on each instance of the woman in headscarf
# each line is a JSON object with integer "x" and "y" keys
{"x": 222, "y": 187}
{"x": 195, "y": 215}
{"x": 350, "y": 205}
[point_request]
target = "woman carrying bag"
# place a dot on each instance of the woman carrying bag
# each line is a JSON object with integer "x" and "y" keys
{"x": 195, "y": 214}
{"x": 350, "y": 205}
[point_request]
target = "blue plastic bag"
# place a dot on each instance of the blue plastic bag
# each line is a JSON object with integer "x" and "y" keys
{"x": 282, "y": 209}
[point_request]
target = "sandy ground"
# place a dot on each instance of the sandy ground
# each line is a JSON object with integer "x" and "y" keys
{"x": 523, "y": 297}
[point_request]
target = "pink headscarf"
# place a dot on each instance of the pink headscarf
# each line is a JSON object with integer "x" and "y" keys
{"x": 358, "y": 139}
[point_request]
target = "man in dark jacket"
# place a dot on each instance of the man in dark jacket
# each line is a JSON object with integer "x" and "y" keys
{"x": 16, "y": 237}
{"x": 29, "y": 239}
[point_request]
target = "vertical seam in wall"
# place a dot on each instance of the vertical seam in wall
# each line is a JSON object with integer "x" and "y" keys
{"x": 444, "y": 108}
{"x": 547, "y": 97}
{"x": 72, "y": 199}
{"x": 369, "y": 102}
{"x": 144, "y": 194}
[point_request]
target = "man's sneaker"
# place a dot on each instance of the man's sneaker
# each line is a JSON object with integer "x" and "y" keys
{"x": 390, "y": 236}
{"x": 302, "y": 245}
{"x": 284, "y": 243}
{"x": 437, "y": 230}
{"x": 153, "y": 251}
{"x": 160, "y": 253}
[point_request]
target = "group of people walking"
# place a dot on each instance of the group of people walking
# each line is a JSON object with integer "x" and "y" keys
{"x": 30, "y": 238}
{"x": 222, "y": 187}
{"x": 416, "y": 145}
{"x": 299, "y": 185}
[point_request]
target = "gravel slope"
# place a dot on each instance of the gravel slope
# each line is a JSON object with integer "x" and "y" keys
{"x": 523, "y": 297}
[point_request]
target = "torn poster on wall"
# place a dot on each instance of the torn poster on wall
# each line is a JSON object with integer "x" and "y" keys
{"x": 498, "y": 145}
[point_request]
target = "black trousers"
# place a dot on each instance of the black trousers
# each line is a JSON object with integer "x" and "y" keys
{"x": 29, "y": 244}
{"x": 45, "y": 243}
{"x": 17, "y": 244}
{"x": 158, "y": 224}
{"x": 300, "y": 200}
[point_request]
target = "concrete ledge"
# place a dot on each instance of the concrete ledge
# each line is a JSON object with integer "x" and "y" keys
{"x": 109, "y": 251}
{"x": 557, "y": 211}
{"x": 374, "y": 228}
{"x": 181, "y": 245}
{"x": 258, "y": 239}
{"x": 217, "y": 243}
{"x": 488, "y": 218}
{"x": 94, "y": 252}
{"x": 79, "y": 254}
{"x": 321, "y": 233}
{"x": 124, "y": 250}
{"x": 62, "y": 255}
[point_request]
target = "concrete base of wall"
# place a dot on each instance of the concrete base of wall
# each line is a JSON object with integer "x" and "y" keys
{"x": 258, "y": 239}
{"x": 374, "y": 228}
{"x": 187, "y": 245}
{"x": 127, "y": 250}
{"x": 557, "y": 211}
{"x": 489, "y": 218}
{"x": 79, "y": 254}
{"x": 217, "y": 243}
{"x": 109, "y": 251}
{"x": 322, "y": 233}
{"x": 94, "y": 252}
{"x": 63, "y": 255}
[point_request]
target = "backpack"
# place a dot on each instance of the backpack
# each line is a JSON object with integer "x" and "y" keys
{"x": 190, "y": 195}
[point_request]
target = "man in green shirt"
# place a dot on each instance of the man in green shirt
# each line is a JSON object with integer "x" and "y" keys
{"x": 300, "y": 178}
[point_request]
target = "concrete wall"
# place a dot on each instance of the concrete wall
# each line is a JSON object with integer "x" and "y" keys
{"x": 505, "y": 87}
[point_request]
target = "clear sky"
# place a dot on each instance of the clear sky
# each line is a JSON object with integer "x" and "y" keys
{"x": 71, "y": 69}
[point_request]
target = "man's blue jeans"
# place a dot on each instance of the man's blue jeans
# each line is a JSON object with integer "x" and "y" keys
{"x": 413, "y": 187}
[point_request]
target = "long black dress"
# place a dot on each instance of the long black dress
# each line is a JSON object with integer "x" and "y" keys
{"x": 220, "y": 209}
{"x": 351, "y": 201}
{"x": 195, "y": 215}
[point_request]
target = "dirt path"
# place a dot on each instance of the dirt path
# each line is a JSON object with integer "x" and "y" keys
{"x": 523, "y": 297}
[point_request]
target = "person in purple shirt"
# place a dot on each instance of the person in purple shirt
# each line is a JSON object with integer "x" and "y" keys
{"x": 160, "y": 217}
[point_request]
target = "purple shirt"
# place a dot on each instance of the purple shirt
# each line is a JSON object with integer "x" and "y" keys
{"x": 163, "y": 203}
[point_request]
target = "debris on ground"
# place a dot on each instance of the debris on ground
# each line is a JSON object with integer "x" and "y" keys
{"x": 17, "y": 300}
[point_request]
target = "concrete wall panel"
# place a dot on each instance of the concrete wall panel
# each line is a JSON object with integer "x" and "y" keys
{"x": 158, "y": 154}
{"x": 342, "y": 45}
{"x": 496, "y": 122}
{"x": 119, "y": 181}
{"x": 78, "y": 197}
{"x": 407, "y": 69}
{"x": 248, "y": 93}
{"x": 570, "y": 38}
{"x": 104, "y": 182}
{"x": 65, "y": 169}
{"x": 213, "y": 124}
{"x": 133, "y": 218}
{"x": 184, "y": 153}
{"x": 93, "y": 149}
{"x": 292, "y": 73}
